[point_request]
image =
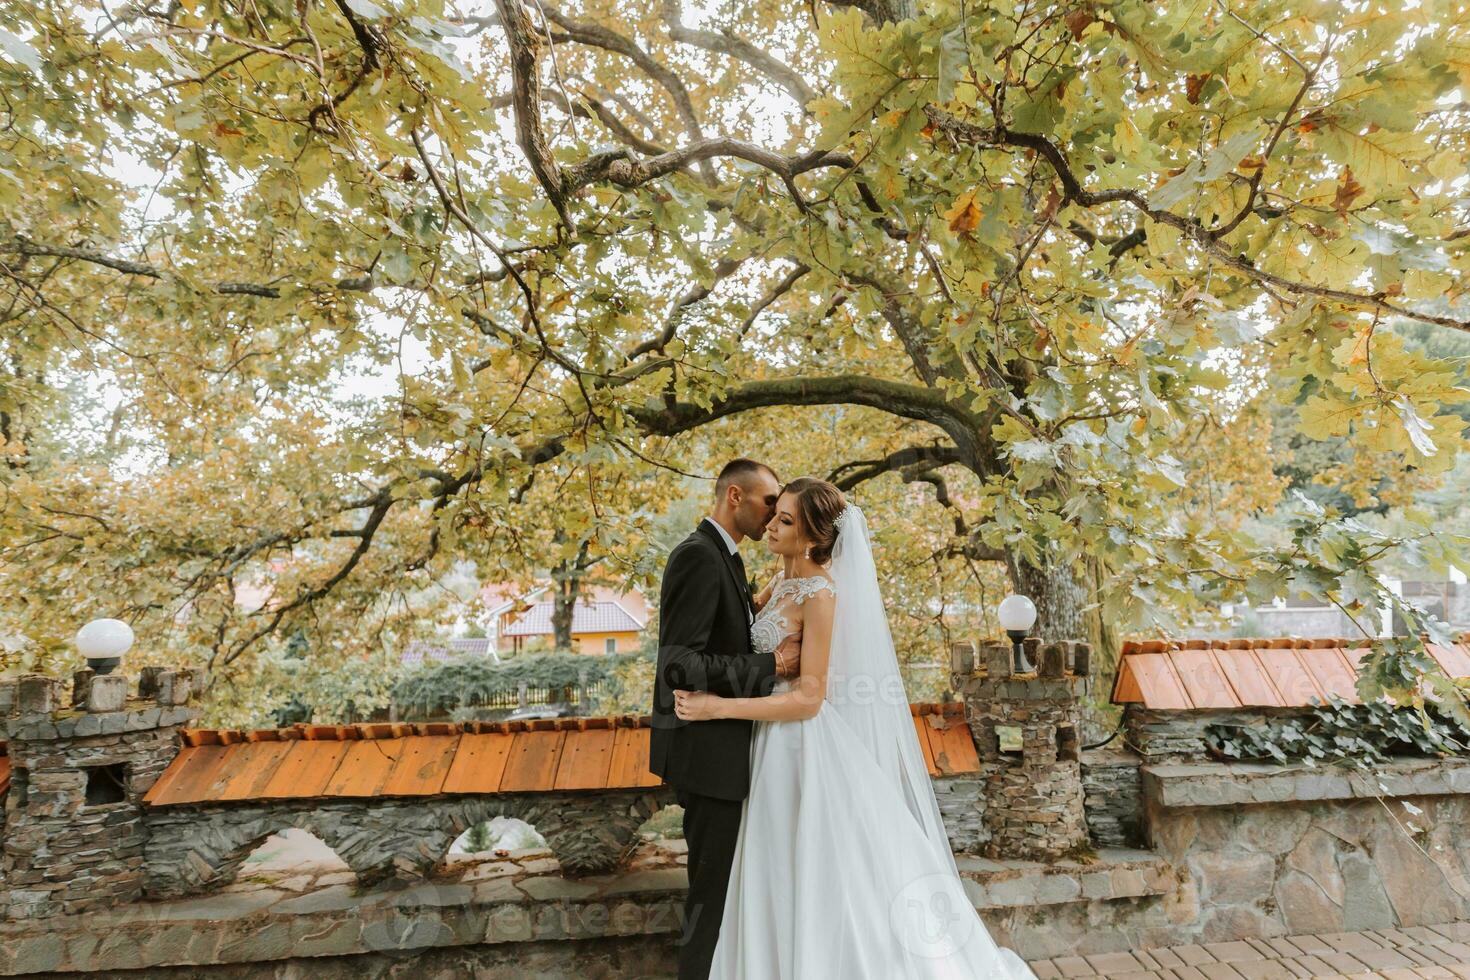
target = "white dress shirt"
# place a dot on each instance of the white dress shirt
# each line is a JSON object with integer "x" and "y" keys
{"x": 725, "y": 535}
{"x": 734, "y": 550}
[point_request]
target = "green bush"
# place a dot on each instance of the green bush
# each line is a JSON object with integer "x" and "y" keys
{"x": 441, "y": 687}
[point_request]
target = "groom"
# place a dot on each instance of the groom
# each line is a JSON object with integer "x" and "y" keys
{"x": 705, "y": 612}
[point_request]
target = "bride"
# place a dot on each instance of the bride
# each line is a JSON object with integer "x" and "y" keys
{"x": 843, "y": 868}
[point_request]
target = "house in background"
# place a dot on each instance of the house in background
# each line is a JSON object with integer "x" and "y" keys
{"x": 1447, "y": 600}
{"x": 604, "y": 621}
{"x": 421, "y": 652}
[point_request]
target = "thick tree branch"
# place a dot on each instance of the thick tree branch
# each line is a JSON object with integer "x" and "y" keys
{"x": 906, "y": 326}
{"x": 911, "y": 460}
{"x": 618, "y": 166}
{"x": 525, "y": 80}
{"x": 904, "y": 400}
{"x": 586, "y": 107}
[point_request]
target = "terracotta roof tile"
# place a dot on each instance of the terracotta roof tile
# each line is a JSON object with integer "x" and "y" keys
{"x": 422, "y": 766}
{"x": 251, "y": 767}
{"x": 586, "y": 759}
{"x": 306, "y": 770}
{"x": 533, "y": 760}
{"x": 1278, "y": 672}
{"x": 188, "y": 777}
{"x": 365, "y": 768}
{"x": 478, "y": 764}
{"x": 317, "y": 761}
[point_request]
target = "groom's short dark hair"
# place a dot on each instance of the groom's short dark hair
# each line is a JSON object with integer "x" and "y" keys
{"x": 739, "y": 471}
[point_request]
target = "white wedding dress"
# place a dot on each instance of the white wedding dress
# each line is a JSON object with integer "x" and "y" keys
{"x": 843, "y": 869}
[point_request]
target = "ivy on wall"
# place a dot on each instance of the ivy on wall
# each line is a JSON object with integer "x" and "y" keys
{"x": 1338, "y": 732}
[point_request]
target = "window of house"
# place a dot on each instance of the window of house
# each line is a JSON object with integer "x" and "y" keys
{"x": 610, "y": 645}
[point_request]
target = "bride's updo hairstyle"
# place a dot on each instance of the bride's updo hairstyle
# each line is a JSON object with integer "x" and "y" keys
{"x": 818, "y": 504}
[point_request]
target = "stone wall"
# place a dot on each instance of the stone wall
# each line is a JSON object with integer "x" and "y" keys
{"x": 1270, "y": 850}
{"x": 1026, "y": 732}
{"x": 193, "y": 849}
{"x": 1160, "y": 736}
{"x": 1113, "y": 797}
{"x": 1255, "y": 851}
{"x": 962, "y": 807}
{"x": 75, "y": 835}
{"x": 516, "y": 914}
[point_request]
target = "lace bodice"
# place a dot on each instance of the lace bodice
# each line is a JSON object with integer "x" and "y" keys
{"x": 773, "y": 623}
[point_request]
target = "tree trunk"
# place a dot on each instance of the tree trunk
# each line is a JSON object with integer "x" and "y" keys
{"x": 1063, "y": 595}
{"x": 567, "y": 589}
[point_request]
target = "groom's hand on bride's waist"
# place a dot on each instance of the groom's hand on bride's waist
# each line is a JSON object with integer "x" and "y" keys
{"x": 788, "y": 657}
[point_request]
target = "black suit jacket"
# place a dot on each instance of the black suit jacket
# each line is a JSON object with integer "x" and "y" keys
{"x": 704, "y": 645}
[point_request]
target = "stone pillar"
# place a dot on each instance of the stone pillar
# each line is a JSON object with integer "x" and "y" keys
{"x": 74, "y": 830}
{"x": 1026, "y": 732}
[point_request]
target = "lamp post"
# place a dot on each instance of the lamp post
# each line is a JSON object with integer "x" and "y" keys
{"x": 103, "y": 642}
{"x": 1017, "y": 615}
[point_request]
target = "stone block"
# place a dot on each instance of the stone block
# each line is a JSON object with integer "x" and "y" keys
{"x": 175, "y": 716}
{"x": 108, "y": 693}
{"x": 174, "y": 687}
{"x": 1058, "y": 888}
{"x": 36, "y": 695}
{"x": 1053, "y": 660}
{"x": 1082, "y": 659}
{"x": 148, "y": 680}
{"x": 509, "y": 924}
{"x": 962, "y": 657}
{"x": 997, "y": 662}
{"x": 139, "y": 721}
{"x": 81, "y": 686}
{"x": 197, "y": 678}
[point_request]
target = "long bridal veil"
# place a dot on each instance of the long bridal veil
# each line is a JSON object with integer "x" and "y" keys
{"x": 929, "y": 912}
{"x": 864, "y": 684}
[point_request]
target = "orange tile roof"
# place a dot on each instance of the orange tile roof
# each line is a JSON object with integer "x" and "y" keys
{"x": 317, "y": 761}
{"x": 1249, "y": 673}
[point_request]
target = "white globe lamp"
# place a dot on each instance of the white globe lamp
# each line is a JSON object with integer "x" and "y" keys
{"x": 103, "y": 642}
{"x": 1017, "y": 615}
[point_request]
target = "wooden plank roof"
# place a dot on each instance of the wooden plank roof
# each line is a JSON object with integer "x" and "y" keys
{"x": 406, "y": 760}
{"x": 1285, "y": 672}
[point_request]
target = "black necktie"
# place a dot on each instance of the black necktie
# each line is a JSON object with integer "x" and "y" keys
{"x": 744, "y": 580}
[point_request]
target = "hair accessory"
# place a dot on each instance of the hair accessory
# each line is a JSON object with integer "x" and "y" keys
{"x": 842, "y": 517}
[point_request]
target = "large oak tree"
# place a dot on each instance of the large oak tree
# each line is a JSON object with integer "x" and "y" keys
{"x": 1053, "y": 260}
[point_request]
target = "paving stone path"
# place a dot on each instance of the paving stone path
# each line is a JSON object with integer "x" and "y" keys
{"x": 1395, "y": 954}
